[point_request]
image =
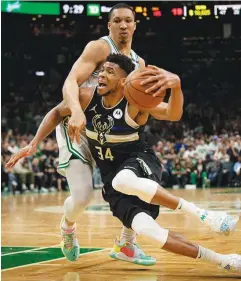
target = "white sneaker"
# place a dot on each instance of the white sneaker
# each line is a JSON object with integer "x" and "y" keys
{"x": 219, "y": 222}
{"x": 233, "y": 263}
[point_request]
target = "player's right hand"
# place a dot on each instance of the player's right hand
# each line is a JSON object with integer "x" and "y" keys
{"x": 76, "y": 124}
{"x": 23, "y": 152}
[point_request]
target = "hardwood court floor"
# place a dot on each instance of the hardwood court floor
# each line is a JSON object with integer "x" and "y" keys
{"x": 30, "y": 241}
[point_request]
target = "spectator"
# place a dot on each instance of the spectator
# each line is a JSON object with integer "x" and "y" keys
{"x": 227, "y": 170}
{"x": 237, "y": 172}
{"x": 179, "y": 175}
{"x": 202, "y": 149}
{"x": 237, "y": 143}
{"x": 38, "y": 174}
{"x": 214, "y": 145}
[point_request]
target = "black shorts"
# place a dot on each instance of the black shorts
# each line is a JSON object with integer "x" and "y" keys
{"x": 126, "y": 207}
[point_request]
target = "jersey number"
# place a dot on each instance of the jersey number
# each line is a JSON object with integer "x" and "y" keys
{"x": 106, "y": 155}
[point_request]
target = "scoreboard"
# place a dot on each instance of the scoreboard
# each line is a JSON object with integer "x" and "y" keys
{"x": 143, "y": 9}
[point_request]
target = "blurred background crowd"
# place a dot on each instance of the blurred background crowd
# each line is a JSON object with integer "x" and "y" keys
{"x": 203, "y": 149}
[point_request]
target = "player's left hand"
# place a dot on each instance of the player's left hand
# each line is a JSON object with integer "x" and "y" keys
{"x": 164, "y": 80}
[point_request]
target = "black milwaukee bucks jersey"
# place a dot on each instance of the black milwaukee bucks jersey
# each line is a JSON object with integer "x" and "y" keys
{"x": 112, "y": 135}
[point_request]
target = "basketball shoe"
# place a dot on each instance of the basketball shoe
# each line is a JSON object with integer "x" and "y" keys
{"x": 69, "y": 243}
{"x": 130, "y": 253}
{"x": 233, "y": 263}
{"x": 219, "y": 222}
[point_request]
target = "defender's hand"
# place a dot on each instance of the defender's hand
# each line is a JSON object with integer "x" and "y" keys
{"x": 76, "y": 124}
{"x": 164, "y": 80}
{"x": 23, "y": 152}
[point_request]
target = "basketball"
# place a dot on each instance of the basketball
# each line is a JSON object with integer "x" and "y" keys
{"x": 135, "y": 93}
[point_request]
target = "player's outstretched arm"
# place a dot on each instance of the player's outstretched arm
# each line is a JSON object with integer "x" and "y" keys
{"x": 49, "y": 123}
{"x": 93, "y": 55}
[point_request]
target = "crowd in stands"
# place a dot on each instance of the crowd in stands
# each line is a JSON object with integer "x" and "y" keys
{"x": 200, "y": 159}
{"x": 194, "y": 158}
{"x": 203, "y": 149}
{"x": 36, "y": 173}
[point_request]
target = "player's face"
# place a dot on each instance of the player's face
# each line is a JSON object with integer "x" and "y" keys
{"x": 111, "y": 78}
{"x": 122, "y": 25}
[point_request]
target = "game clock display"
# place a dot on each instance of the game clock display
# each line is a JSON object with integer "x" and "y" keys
{"x": 72, "y": 9}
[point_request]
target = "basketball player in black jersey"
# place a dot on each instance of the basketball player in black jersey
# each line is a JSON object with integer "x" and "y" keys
{"x": 130, "y": 170}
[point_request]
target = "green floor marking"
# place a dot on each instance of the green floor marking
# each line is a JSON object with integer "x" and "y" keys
{"x": 31, "y": 257}
{"x": 7, "y": 250}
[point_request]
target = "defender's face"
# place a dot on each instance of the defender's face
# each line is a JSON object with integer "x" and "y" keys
{"x": 122, "y": 25}
{"x": 110, "y": 78}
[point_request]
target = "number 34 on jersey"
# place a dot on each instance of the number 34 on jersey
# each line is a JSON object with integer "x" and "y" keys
{"x": 104, "y": 154}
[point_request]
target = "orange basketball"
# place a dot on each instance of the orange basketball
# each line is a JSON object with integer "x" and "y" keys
{"x": 135, "y": 93}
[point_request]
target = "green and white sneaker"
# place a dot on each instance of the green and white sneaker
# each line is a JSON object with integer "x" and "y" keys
{"x": 219, "y": 222}
{"x": 131, "y": 253}
{"x": 69, "y": 244}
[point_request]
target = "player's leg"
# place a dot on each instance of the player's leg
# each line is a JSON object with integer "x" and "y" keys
{"x": 123, "y": 207}
{"x": 127, "y": 182}
{"x": 146, "y": 226}
{"x": 79, "y": 178}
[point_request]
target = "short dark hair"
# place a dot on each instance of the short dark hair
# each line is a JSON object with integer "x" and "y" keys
{"x": 120, "y": 6}
{"x": 123, "y": 61}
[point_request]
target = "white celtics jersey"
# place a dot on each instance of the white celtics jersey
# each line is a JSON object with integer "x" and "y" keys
{"x": 81, "y": 151}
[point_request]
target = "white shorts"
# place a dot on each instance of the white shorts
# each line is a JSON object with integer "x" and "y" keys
{"x": 73, "y": 150}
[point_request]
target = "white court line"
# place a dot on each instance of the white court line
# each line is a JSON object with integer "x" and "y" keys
{"x": 48, "y": 264}
{"x": 31, "y": 233}
{"x": 39, "y": 263}
{"x": 27, "y": 251}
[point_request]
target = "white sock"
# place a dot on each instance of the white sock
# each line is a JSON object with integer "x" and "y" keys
{"x": 127, "y": 235}
{"x": 65, "y": 226}
{"x": 210, "y": 256}
{"x": 188, "y": 208}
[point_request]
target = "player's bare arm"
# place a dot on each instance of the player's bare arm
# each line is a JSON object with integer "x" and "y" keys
{"x": 171, "y": 111}
{"x": 93, "y": 55}
{"x": 140, "y": 117}
{"x": 49, "y": 123}
{"x": 163, "y": 78}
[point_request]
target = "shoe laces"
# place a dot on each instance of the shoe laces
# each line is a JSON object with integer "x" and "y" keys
{"x": 138, "y": 250}
{"x": 68, "y": 238}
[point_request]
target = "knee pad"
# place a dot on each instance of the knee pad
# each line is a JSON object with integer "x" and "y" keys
{"x": 145, "y": 225}
{"x": 123, "y": 181}
{"x": 128, "y": 183}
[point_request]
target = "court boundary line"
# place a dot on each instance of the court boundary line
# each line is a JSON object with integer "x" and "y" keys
{"x": 30, "y": 250}
{"x": 32, "y": 233}
{"x": 38, "y": 263}
{"x": 57, "y": 246}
